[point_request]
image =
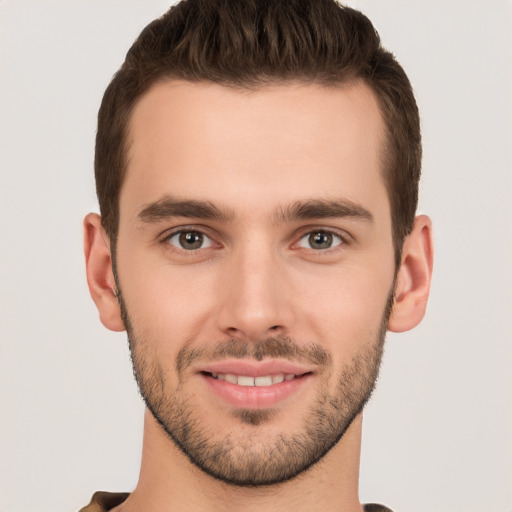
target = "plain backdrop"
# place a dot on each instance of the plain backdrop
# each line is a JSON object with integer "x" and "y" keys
{"x": 438, "y": 431}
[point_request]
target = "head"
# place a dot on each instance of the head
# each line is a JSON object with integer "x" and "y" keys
{"x": 257, "y": 166}
{"x": 248, "y": 45}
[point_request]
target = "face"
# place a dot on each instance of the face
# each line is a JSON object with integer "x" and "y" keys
{"x": 255, "y": 269}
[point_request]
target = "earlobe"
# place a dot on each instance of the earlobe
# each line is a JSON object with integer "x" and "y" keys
{"x": 100, "y": 277}
{"x": 413, "y": 280}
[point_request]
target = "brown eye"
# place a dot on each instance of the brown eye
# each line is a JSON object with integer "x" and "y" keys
{"x": 190, "y": 240}
{"x": 320, "y": 240}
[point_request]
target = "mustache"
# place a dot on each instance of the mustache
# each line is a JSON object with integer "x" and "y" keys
{"x": 276, "y": 347}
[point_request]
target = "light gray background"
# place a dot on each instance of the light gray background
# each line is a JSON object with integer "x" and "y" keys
{"x": 437, "y": 433}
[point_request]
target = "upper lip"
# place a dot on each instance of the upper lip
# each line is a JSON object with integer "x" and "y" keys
{"x": 255, "y": 368}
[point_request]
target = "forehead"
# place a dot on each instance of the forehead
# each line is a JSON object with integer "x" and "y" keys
{"x": 272, "y": 144}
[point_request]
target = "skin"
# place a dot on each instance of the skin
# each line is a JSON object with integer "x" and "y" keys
{"x": 255, "y": 154}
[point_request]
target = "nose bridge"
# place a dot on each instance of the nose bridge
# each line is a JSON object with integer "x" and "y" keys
{"x": 254, "y": 303}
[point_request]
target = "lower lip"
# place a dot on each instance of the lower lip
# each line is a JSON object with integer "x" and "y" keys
{"x": 256, "y": 397}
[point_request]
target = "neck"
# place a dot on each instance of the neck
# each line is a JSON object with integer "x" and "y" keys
{"x": 170, "y": 482}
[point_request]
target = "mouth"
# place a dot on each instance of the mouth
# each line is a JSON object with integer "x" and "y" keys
{"x": 260, "y": 381}
{"x": 255, "y": 385}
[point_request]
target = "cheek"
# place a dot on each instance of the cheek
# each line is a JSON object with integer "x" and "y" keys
{"x": 347, "y": 310}
{"x": 351, "y": 328}
{"x": 166, "y": 304}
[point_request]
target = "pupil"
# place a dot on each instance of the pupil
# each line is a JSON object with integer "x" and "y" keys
{"x": 320, "y": 240}
{"x": 191, "y": 240}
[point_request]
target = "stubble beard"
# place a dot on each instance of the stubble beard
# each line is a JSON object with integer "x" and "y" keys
{"x": 247, "y": 460}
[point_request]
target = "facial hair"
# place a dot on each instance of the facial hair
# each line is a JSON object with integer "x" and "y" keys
{"x": 247, "y": 460}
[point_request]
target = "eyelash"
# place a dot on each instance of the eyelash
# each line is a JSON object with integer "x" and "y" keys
{"x": 184, "y": 230}
{"x": 343, "y": 239}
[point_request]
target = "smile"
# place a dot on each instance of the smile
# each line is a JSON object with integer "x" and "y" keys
{"x": 247, "y": 380}
{"x": 255, "y": 384}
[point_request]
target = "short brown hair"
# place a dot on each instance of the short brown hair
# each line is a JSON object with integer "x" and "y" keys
{"x": 250, "y": 43}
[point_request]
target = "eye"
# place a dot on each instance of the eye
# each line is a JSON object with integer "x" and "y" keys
{"x": 320, "y": 240}
{"x": 190, "y": 240}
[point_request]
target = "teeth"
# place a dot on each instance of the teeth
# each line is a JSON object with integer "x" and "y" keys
{"x": 228, "y": 377}
{"x": 263, "y": 381}
{"x": 276, "y": 379}
{"x": 245, "y": 380}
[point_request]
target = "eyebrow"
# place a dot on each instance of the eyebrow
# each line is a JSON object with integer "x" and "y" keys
{"x": 168, "y": 207}
{"x": 171, "y": 207}
{"x": 323, "y": 209}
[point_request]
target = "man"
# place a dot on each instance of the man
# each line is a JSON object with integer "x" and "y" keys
{"x": 257, "y": 168}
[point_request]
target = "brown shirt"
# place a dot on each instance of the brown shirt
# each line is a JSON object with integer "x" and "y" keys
{"x": 104, "y": 501}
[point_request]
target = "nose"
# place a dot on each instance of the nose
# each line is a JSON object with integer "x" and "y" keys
{"x": 255, "y": 297}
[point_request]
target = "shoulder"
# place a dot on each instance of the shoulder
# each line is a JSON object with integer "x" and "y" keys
{"x": 102, "y": 501}
{"x": 374, "y": 507}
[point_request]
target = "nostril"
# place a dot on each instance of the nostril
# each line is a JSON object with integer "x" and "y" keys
{"x": 274, "y": 327}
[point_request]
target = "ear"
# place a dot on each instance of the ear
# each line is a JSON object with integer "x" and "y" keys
{"x": 414, "y": 276}
{"x": 100, "y": 278}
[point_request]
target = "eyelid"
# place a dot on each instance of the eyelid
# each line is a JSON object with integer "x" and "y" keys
{"x": 185, "y": 227}
{"x": 339, "y": 240}
{"x": 169, "y": 233}
{"x": 343, "y": 235}
{"x": 205, "y": 239}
